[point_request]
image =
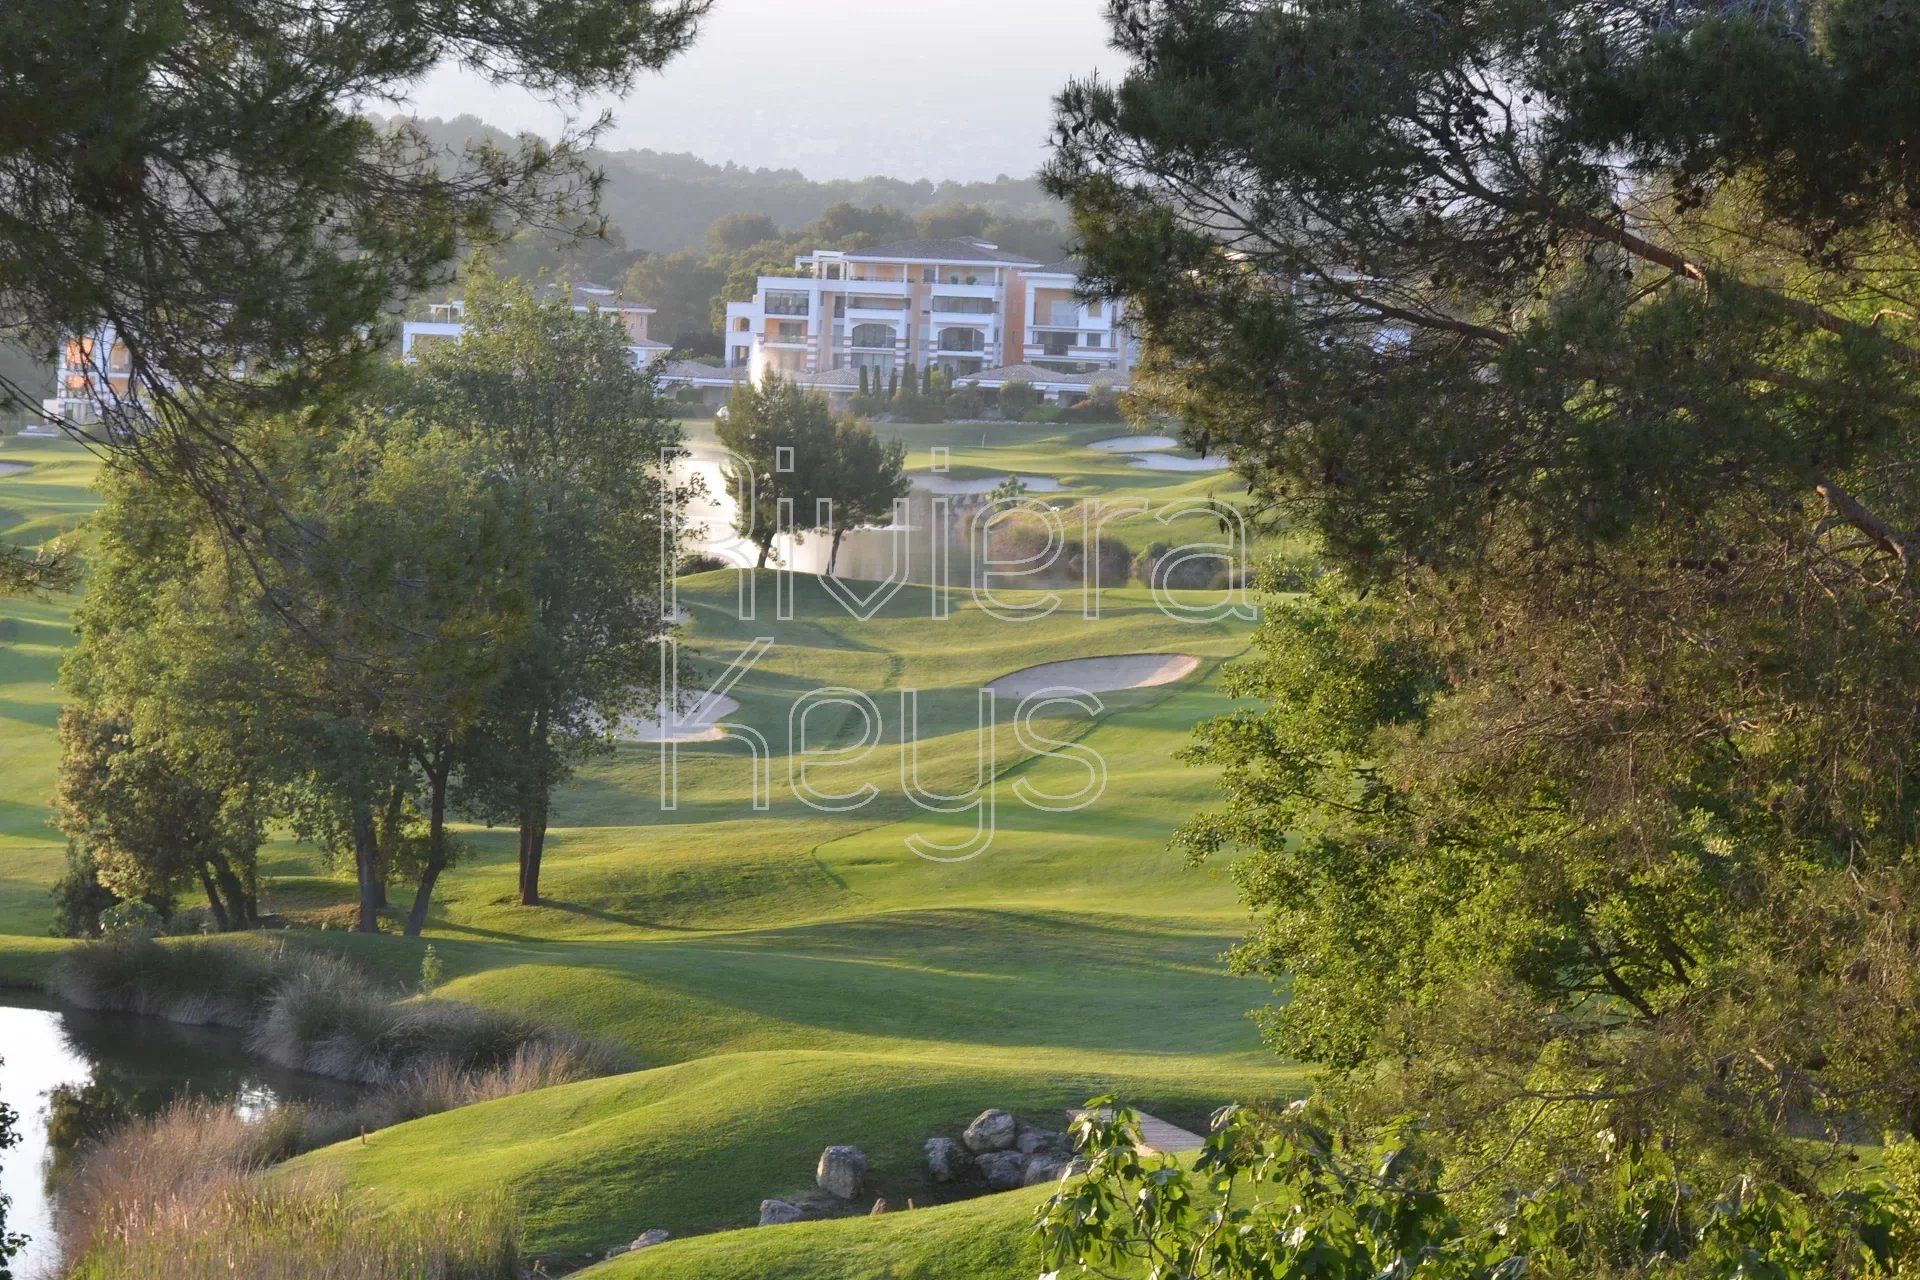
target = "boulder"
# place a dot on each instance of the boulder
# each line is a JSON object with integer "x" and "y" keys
{"x": 947, "y": 1160}
{"x": 991, "y": 1131}
{"x": 774, "y": 1213}
{"x": 841, "y": 1171}
{"x": 1003, "y": 1170}
{"x": 648, "y": 1239}
{"x": 1031, "y": 1138}
{"x": 1042, "y": 1166}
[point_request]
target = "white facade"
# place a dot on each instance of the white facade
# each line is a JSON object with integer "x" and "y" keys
{"x": 964, "y": 306}
{"x": 446, "y": 322}
{"x": 90, "y": 374}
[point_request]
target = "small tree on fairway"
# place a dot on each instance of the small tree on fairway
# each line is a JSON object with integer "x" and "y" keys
{"x": 766, "y": 424}
{"x": 866, "y": 477}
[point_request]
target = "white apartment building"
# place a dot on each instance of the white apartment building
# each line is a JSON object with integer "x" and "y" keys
{"x": 962, "y": 305}
{"x": 89, "y": 374}
{"x": 446, "y": 322}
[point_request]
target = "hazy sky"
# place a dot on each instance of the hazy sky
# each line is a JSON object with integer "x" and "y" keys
{"x": 844, "y": 88}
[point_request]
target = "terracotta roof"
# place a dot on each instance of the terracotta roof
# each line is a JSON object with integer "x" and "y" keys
{"x": 1034, "y": 374}
{"x": 933, "y": 249}
{"x": 689, "y": 369}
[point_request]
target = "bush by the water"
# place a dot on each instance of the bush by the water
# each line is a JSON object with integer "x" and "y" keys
{"x": 311, "y": 1010}
{"x": 184, "y": 1196}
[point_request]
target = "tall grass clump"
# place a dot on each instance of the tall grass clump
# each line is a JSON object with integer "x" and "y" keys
{"x": 183, "y": 1196}
{"x": 200, "y": 982}
{"x": 439, "y": 1086}
{"x": 312, "y": 1011}
{"x": 325, "y": 1019}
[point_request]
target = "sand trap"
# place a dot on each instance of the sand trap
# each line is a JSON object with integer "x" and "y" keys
{"x": 701, "y": 727}
{"x": 1134, "y": 444}
{"x": 14, "y": 468}
{"x": 1097, "y": 675}
{"x": 949, "y": 485}
{"x": 1163, "y": 462}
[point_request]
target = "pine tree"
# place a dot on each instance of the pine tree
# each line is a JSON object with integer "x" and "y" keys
{"x": 893, "y": 383}
{"x": 865, "y": 388}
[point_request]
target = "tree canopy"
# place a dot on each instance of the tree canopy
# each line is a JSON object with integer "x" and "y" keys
{"x": 198, "y": 175}
{"x": 1583, "y": 339}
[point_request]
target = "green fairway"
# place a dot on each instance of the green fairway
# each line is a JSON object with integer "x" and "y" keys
{"x": 789, "y": 976}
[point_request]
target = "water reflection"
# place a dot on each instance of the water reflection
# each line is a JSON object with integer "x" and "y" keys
{"x": 73, "y": 1075}
{"x": 938, "y": 529}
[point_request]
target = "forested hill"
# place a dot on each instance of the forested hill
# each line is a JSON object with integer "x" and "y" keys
{"x": 665, "y": 203}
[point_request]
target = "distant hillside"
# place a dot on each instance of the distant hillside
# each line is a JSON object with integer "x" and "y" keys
{"x": 665, "y": 203}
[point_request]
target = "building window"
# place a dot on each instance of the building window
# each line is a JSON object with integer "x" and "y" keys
{"x": 962, "y": 340}
{"x": 1093, "y": 310}
{"x": 873, "y": 335}
{"x": 929, "y": 275}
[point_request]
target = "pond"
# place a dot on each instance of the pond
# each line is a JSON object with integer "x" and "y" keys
{"x": 938, "y": 530}
{"x": 126, "y": 1065}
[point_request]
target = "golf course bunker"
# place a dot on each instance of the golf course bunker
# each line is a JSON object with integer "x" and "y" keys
{"x": 1097, "y": 675}
{"x": 700, "y": 726}
{"x": 1135, "y": 444}
{"x": 950, "y": 485}
{"x": 1164, "y": 462}
{"x": 14, "y": 468}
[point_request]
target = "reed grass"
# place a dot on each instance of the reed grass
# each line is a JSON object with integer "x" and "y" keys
{"x": 185, "y": 1195}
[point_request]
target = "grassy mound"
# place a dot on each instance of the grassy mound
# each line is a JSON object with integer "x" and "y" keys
{"x": 986, "y": 1239}
{"x": 695, "y": 1147}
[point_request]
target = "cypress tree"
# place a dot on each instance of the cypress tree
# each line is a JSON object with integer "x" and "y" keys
{"x": 865, "y": 389}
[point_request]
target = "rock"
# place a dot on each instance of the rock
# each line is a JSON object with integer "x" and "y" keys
{"x": 1042, "y": 1166}
{"x": 879, "y": 1207}
{"x": 774, "y": 1213}
{"x": 1030, "y": 1139}
{"x": 648, "y": 1239}
{"x": 947, "y": 1160}
{"x": 841, "y": 1171}
{"x": 1003, "y": 1170}
{"x": 991, "y": 1131}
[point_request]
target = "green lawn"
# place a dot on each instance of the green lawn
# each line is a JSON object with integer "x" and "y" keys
{"x": 788, "y": 977}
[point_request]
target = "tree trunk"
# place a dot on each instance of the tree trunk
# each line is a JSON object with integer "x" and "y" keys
{"x": 213, "y": 899}
{"x": 436, "y": 845}
{"x": 535, "y": 789}
{"x": 367, "y": 869}
{"x": 533, "y": 843}
{"x": 766, "y": 549}
{"x": 833, "y": 553}
{"x": 242, "y": 910}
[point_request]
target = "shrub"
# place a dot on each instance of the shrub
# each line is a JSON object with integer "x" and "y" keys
{"x": 78, "y": 897}
{"x": 917, "y": 408}
{"x": 1042, "y": 413}
{"x": 130, "y": 919}
{"x": 698, "y": 563}
{"x": 967, "y": 402}
{"x": 1102, "y": 406}
{"x": 1016, "y": 398}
